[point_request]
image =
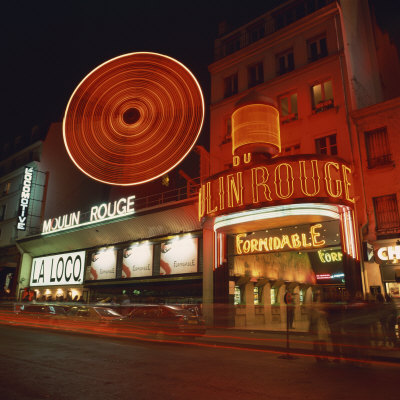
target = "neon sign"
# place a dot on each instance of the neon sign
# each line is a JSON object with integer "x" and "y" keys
{"x": 327, "y": 256}
{"x": 329, "y": 276}
{"x": 301, "y": 237}
{"x": 389, "y": 253}
{"x": 295, "y": 178}
{"x": 25, "y": 197}
{"x": 101, "y": 213}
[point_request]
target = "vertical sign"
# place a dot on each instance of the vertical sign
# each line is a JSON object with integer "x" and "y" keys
{"x": 24, "y": 199}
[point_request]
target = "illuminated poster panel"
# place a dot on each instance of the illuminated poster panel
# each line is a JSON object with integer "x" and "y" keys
{"x": 179, "y": 256}
{"x": 137, "y": 260}
{"x": 328, "y": 265}
{"x": 103, "y": 264}
{"x": 60, "y": 269}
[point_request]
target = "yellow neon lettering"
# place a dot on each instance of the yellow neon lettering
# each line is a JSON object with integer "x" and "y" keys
{"x": 263, "y": 243}
{"x": 202, "y": 207}
{"x": 346, "y": 183}
{"x": 247, "y": 158}
{"x": 304, "y": 179}
{"x": 277, "y": 243}
{"x": 289, "y": 181}
{"x": 254, "y": 245}
{"x": 304, "y": 241}
{"x": 239, "y": 242}
{"x": 321, "y": 256}
{"x": 328, "y": 179}
{"x": 235, "y": 189}
{"x": 315, "y": 235}
{"x": 236, "y": 161}
{"x": 208, "y": 197}
{"x": 221, "y": 193}
{"x": 256, "y": 183}
{"x": 285, "y": 242}
{"x": 296, "y": 241}
{"x": 246, "y": 246}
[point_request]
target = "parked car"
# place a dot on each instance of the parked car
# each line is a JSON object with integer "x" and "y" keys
{"x": 39, "y": 310}
{"x": 167, "y": 319}
{"x": 93, "y": 313}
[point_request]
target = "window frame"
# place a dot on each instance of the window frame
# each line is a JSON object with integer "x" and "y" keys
{"x": 258, "y": 77}
{"x": 291, "y": 115}
{"x": 321, "y": 50}
{"x": 377, "y": 139}
{"x": 231, "y": 84}
{"x": 325, "y": 103}
{"x": 328, "y": 146}
{"x": 381, "y": 224}
{"x": 288, "y": 63}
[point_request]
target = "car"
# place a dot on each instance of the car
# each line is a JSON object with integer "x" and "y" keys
{"x": 167, "y": 319}
{"x": 39, "y": 310}
{"x": 93, "y": 313}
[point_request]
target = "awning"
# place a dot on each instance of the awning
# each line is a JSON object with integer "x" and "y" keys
{"x": 150, "y": 223}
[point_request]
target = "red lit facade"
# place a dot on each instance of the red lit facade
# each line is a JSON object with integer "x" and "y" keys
{"x": 310, "y": 212}
{"x": 324, "y": 67}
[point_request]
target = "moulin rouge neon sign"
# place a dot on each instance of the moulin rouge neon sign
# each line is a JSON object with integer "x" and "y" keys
{"x": 103, "y": 212}
{"x": 294, "y": 178}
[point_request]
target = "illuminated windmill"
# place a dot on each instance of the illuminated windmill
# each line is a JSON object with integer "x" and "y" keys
{"x": 133, "y": 119}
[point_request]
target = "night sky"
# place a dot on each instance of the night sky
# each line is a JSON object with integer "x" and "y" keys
{"x": 48, "y": 47}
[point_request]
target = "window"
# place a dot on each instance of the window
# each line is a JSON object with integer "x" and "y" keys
{"x": 6, "y": 188}
{"x": 228, "y": 130}
{"x": 378, "y": 149}
{"x": 2, "y": 212}
{"x": 256, "y": 32}
{"x": 237, "y": 296}
{"x": 322, "y": 96}
{"x": 284, "y": 62}
{"x": 386, "y": 213}
{"x": 256, "y": 295}
{"x": 291, "y": 150}
{"x": 273, "y": 296}
{"x": 326, "y": 145}
{"x": 230, "y": 85}
{"x": 256, "y": 74}
{"x": 317, "y": 48}
{"x": 288, "y": 107}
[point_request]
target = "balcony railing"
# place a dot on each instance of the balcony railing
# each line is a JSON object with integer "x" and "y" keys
{"x": 264, "y": 28}
{"x": 385, "y": 159}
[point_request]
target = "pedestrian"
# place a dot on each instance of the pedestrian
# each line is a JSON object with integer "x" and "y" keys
{"x": 319, "y": 329}
{"x": 334, "y": 311}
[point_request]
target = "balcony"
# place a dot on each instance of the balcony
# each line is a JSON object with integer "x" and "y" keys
{"x": 383, "y": 160}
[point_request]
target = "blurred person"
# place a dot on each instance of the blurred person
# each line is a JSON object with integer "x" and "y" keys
{"x": 334, "y": 310}
{"x": 319, "y": 329}
{"x": 391, "y": 317}
{"x": 357, "y": 327}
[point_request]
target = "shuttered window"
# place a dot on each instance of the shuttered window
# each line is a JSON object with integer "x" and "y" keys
{"x": 378, "y": 149}
{"x": 386, "y": 213}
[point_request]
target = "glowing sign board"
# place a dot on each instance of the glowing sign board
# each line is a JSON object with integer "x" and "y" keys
{"x": 137, "y": 260}
{"x": 60, "y": 269}
{"x": 179, "y": 256}
{"x": 103, "y": 264}
{"x": 101, "y": 213}
{"x": 301, "y": 237}
{"x": 295, "y": 179}
{"x": 24, "y": 199}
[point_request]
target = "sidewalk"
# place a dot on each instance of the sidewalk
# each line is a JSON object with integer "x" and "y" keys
{"x": 300, "y": 342}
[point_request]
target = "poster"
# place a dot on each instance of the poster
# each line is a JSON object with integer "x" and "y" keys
{"x": 137, "y": 260}
{"x": 103, "y": 264}
{"x": 179, "y": 256}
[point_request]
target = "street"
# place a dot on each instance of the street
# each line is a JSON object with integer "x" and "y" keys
{"x": 40, "y": 364}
